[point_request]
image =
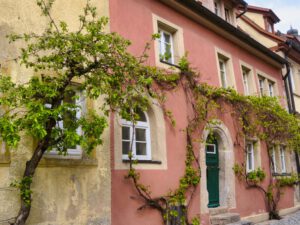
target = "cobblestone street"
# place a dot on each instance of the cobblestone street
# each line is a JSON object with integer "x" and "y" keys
{"x": 292, "y": 219}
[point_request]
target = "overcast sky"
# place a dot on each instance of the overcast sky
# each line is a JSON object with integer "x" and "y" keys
{"x": 287, "y": 10}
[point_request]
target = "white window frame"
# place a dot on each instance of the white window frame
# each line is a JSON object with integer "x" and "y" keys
{"x": 72, "y": 153}
{"x": 142, "y": 125}
{"x": 163, "y": 43}
{"x": 261, "y": 83}
{"x": 282, "y": 159}
{"x": 274, "y": 160}
{"x": 246, "y": 81}
{"x": 223, "y": 73}
{"x": 217, "y": 7}
{"x": 227, "y": 14}
{"x": 271, "y": 88}
{"x": 248, "y": 169}
{"x": 215, "y": 149}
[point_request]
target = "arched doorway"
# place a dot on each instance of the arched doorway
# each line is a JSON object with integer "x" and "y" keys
{"x": 212, "y": 171}
{"x": 224, "y": 177}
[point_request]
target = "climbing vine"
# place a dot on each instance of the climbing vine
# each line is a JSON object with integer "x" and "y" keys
{"x": 260, "y": 117}
{"x": 102, "y": 62}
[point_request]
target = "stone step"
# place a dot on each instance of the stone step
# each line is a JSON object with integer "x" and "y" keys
{"x": 225, "y": 218}
{"x": 219, "y": 210}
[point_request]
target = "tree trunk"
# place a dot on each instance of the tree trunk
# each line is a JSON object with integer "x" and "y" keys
{"x": 30, "y": 168}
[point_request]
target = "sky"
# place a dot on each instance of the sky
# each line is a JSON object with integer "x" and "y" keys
{"x": 287, "y": 10}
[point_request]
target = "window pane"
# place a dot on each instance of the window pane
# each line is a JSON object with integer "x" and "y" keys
{"x": 249, "y": 160}
{"x": 261, "y": 86}
{"x": 140, "y": 134}
{"x": 125, "y": 133}
{"x": 141, "y": 149}
{"x": 167, "y": 38}
{"x": 250, "y": 156}
{"x": 168, "y": 53}
{"x": 223, "y": 74}
{"x": 210, "y": 149}
{"x": 125, "y": 147}
{"x": 271, "y": 89}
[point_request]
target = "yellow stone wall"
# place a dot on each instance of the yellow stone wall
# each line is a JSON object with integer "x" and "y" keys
{"x": 255, "y": 34}
{"x": 65, "y": 191}
{"x": 257, "y": 18}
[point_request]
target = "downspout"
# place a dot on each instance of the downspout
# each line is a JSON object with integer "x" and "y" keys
{"x": 289, "y": 89}
{"x": 291, "y": 103}
{"x": 288, "y": 81}
{"x": 245, "y": 10}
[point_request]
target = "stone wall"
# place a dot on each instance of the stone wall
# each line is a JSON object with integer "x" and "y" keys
{"x": 66, "y": 191}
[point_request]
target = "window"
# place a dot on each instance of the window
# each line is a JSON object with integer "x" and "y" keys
{"x": 211, "y": 149}
{"x": 136, "y": 137}
{"x": 246, "y": 80}
{"x": 223, "y": 74}
{"x": 217, "y": 7}
{"x": 225, "y": 69}
{"x": 250, "y": 156}
{"x": 227, "y": 14}
{"x": 271, "y": 88}
{"x": 261, "y": 82}
{"x": 74, "y": 97}
{"x": 156, "y": 146}
{"x": 267, "y": 86}
{"x": 273, "y": 155}
{"x": 169, "y": 48}
{"x": 269, "y": 25}
{"x": 282, "y": 159}
{"x": 166, "y": 52}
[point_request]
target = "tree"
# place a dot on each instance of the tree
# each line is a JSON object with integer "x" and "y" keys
{"x": 36, "y": 108}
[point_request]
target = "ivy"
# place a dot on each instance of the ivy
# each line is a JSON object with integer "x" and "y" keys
{"x": 23, "y": 185}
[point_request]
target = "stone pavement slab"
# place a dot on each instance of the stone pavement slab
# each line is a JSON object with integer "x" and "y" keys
{"x": 291, "y": 219}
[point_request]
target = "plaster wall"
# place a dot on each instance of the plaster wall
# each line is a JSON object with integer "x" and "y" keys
{"x": 257, "y": 18}
{"x": 255, "y": 34}
{"x": 134, "y": 20}
{"x": 65, "y": 191}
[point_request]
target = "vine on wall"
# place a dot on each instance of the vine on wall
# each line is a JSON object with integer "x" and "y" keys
{"x": 260, "y": 117}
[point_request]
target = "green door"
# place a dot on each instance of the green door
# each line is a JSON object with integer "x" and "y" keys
{"x": 212, "y": 172}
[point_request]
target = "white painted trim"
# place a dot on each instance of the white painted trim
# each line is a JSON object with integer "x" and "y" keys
{"x": 142, "y": 125}
{"x": 282, "y": 159}
{"x": 74, "y": 153}
{"x": 252, "y": 156}
{"x": 162, "y": 51}
{"x": 214, "y": 152}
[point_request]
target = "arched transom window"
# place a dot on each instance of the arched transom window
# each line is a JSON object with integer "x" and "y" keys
{"x": 136, "y": 137}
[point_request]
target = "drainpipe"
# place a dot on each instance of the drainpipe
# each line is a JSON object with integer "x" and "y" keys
{"x": 289, "y": 89}
{"x": 245, "y": 10}
{"x": 290, "y": 96}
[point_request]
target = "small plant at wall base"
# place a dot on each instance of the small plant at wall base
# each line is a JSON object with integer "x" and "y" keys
{"x": 272, "y": 192}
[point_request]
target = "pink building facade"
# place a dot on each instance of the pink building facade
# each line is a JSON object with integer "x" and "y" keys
{"x": 224, "y": 56}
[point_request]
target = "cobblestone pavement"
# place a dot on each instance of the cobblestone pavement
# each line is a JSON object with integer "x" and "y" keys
{"x": 292, "y": 219}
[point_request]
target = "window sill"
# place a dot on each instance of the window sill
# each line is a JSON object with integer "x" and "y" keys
{"x": 4, "y": 160}
{"x": 170, "y": 64}
{"x": 281, "y": 174}
{"x": 64, "y": 162}
{"x": 143, "y": 161}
